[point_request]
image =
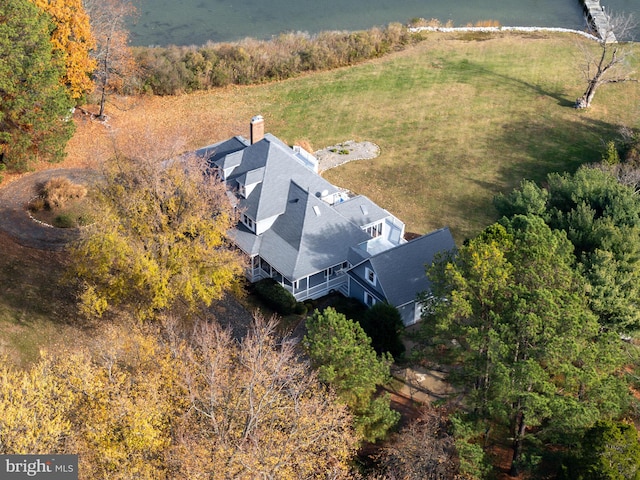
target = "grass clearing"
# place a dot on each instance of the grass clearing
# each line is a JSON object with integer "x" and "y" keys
{"x": 36, "y": 309}
{"x": 457, "y": 122}
{"x": 459, "y": 118}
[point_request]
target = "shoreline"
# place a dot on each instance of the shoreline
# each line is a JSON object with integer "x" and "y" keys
{"x": 504, "y": 29}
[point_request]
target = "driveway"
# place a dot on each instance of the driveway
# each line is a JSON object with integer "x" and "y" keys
{"x": 15, "y": 220}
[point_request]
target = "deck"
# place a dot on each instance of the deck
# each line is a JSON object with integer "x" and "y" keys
{"x": 599, "y": 20}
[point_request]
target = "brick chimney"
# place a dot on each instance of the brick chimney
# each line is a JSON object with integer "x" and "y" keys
{"x": 257, "y": 129}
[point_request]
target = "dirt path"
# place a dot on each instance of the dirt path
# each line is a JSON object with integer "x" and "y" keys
{"x": 14, "y": 217}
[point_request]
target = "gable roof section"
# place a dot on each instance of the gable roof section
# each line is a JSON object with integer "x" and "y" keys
{"x": 213, "y": 153}
{"x": 401, "y": 271}
{"x": 309, "y": 237}
{"x": 245, "y": 239}
{"x": 251, "y": 177}
{"x": 361, "y": 211}
{"x": 273, "y": 165}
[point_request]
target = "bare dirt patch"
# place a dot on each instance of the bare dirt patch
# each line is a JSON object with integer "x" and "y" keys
{"x": 344, "y": 152}
{"x": 423, "y": 385}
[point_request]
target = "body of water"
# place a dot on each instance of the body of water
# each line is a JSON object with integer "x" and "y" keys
{"x": 194, "y": 22}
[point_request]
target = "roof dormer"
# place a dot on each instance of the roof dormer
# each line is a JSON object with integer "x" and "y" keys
{"x": 248, "y": 181}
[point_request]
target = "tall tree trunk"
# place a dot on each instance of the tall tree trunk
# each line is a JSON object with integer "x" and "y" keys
{"x": 585, "y": 100}
{"x": 519, "y": 431}
{"x": 598, "y": 77}
{"x": 105, "y": 78}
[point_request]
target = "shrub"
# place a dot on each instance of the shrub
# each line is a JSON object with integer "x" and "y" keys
{"x": 59, "y": 190}
{"x": 275, "y": 295}
{"x": 610, "y": 155}
{"x": 37, "y": 204}
{"x": 64, "y": 220}
{"x": 485, "y": 23}
{"x": 432, "y": 22}
{"x": 172, "y": 70}
{"x": 301, "y": 309}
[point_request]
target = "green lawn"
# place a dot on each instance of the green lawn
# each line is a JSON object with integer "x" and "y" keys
{"x": 458, "y": 118}
{"x": 36, "y": 309}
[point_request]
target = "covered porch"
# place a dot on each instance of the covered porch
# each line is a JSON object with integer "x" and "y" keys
{"x": 310, "y": 287}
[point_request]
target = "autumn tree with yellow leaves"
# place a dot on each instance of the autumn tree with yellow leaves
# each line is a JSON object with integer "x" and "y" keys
{"x": 159, "y": 239}
{"x": 73, "y": 39}
{"x": 164, "y": 403}
{"x": 33, "y": 410}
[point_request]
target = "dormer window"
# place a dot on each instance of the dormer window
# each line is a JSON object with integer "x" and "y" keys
{"x": 242, "y": 191}
{"x": 370, "y": 275}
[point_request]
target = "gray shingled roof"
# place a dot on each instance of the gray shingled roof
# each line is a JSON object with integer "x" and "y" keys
{"x": 252, "y": 176}
{"x": 215, "y": 152}
{"x": 309, "y": 237}
{"x": 308, "y": 234}
{"x": 361, "y": 211}
{"x": 246, "y": 240}
{"x": 401, "y": 270}
{"x": 279, "y": 167}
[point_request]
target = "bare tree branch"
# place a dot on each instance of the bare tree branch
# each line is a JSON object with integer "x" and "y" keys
{"x": 611, "y": 62}
{"x": 114, "y": 59}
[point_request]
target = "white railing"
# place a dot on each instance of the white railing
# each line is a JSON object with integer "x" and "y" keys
{"x": 337, "y": 282}
{"x": 321, "y": 289}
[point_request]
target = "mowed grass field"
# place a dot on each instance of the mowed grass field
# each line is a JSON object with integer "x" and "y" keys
{"x": 459, "y": 118}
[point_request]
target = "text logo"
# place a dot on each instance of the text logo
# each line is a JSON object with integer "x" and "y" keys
{"x": 44, "y": 467}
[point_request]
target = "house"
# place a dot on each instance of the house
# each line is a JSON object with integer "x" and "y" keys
{"x": 295, "y": 226}
{"x": 397, "y": 275}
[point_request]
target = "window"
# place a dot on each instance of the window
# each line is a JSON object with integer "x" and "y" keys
{"x": 336, "y": 269}
{"x": 369, "y": 300}
{"x": 265, "y": 266}
{"x": 370, "y": 275}
{"x": 300, "y": 285}
{"x": 276, "y": 275}
{"x": 242, "y": 191}
{"x": 248, "y": 222}
{"x": 374, "y": 230}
